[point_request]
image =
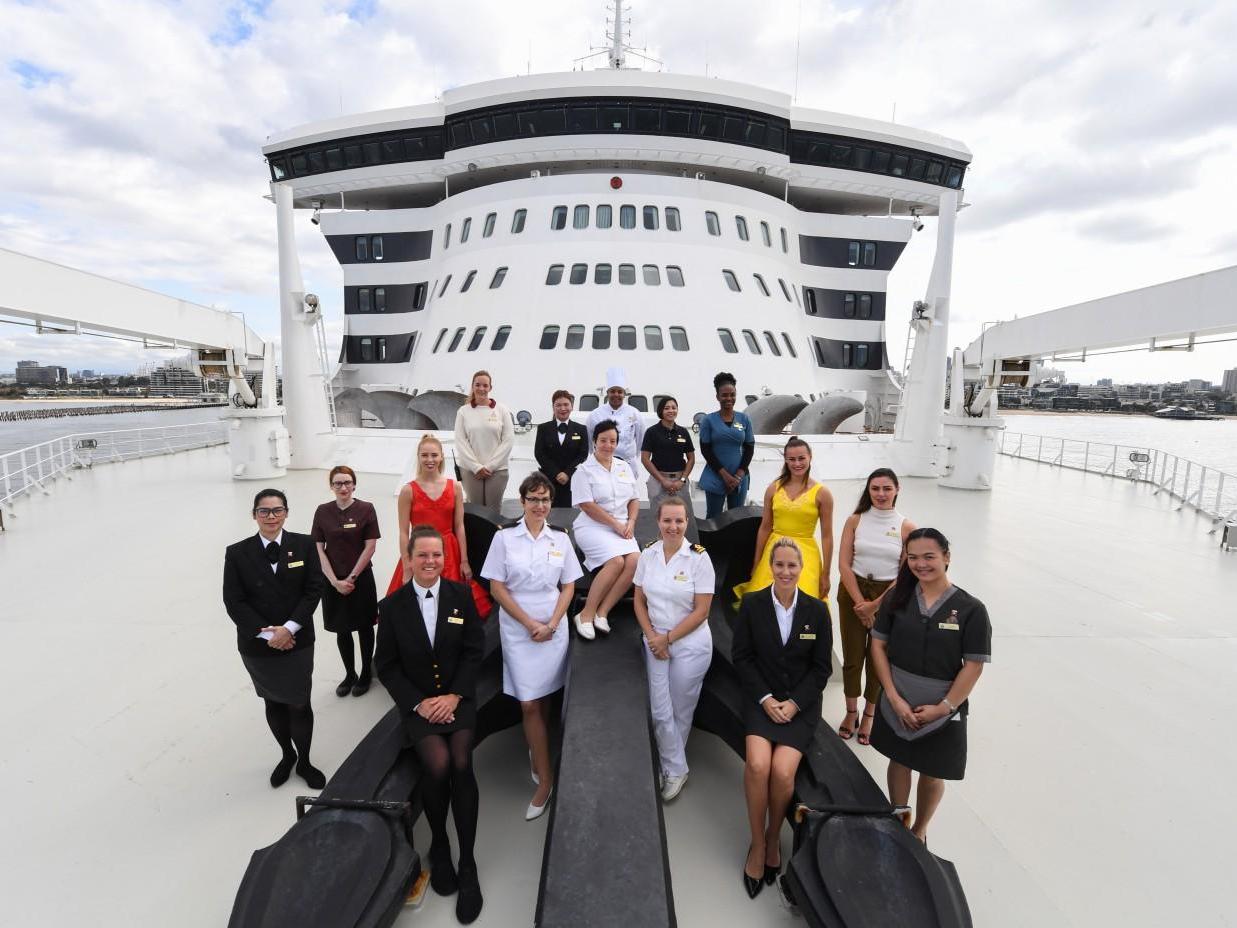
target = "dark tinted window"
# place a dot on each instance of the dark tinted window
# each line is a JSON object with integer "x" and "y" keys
{"x": 579, "y": 217}
{"x": 601, "y": 341}
{"x": 375, "y": 247}
{"x": 809, "y": 297}
{"x": 652, "y": 276}
{"x": 475, "y": 342}
{"x": 764, "y": 288}
{"x": 605, "y": 216}
{"x": 672, "y": 219}
{"x": 731, "y": 281}
{"x": 589, "y": 402}
{"x": 517, "y": 221}
{"x": 362, "y": 248}
{"x": 789, "y": 346}
{"x": 652, "y": 338}
{"x": 497, "y": 280}
{"x": 602, "y": 274}
{"x": 363, "y": 304}
{"x": 741, "y": 225}
{"x": 579, "y": 273}
{"x": 500, "y": 338}
{"x": 627, "y": 337}
{"x": 581, "y": 119}
{"x": 627, "y": 217}
{"x": 848, "y": 306}
{"x": 438, "y": 341}
{"x": 650, "y": 217}
{"x": 712, "y": 224}
{"x": 785, "y": 241}
{"x": 852, "y": 254}
{"x": 727, "y": 339}
{"x": 549, "y": 337}
{"x": 752, "y": 344}
{"x": 627, "y": 273}
{"x": 472, "y": 275}
{"x": 446, "y": 283}
{"x": 765, "y": 235}
{"x": 488, "y": 229}
{"x": 865, "y": 306}
{"x": 558, "y": 219}
{"x": 869, "y": 254}
{"x": 575, "y": 337}
{"x": 638, "y": 401}
{"x": 674, "y": 276}
{"x": 678, "y": 338}
{"x": 455, "y": 339}
{"x": 465, "y": 229}
{"x": 772, "y": 343}
{"x": 554, "y": 275}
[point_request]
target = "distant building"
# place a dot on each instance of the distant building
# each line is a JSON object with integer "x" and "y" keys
{"x": 87, "y": 375}
{"x": 31, "y": 373}
{"x": 172, "y": 378}
{"x": 1197, "y": 386}
{"x": 1104, "y": 382}
{"x": 1230, "y": 381}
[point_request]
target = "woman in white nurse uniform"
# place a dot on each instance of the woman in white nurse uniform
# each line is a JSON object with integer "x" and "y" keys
{"x": 603, "y": 488}
{"x": 532, "y": 569}
{"x": 674, "y": 588}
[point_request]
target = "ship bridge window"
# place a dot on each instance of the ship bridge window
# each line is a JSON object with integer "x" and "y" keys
{"x": 918, "y": 166}
{"x": 465, "y": 229}
{"x": 627, "y": 338}
{"x": 505, "y": 126}
{"x": 438, "y": 341}
{"x": 367, "y": 349}
{"x": 362, "y": 248}
{"x": 500, "y": 338}
{"x": 765, "y": 235}
{"x": 517, "y": 221}
{"x": 898, "y": 167}
{"x": 614, "y": 117}
{"x": 848, "y": 306}
{"x": 579, "y": 274}
{"x": 638, "y": 401}
{"x": 740, "y": 223}
{"x": 627, "y": 273}
{"x": 880, "y": 161}
{"x": 446, "y": 283}
{"x": 477, "y": 337}
{"x": 727, "y": 340}
{"x": 472, "y": 275}
{"x": 627, "y": 216}
{"x": 712, "y": 224}
{"x": 652, "y": 338}
{"x": 488, "y": 229}
{"x": 579, "y": 217}
{"x": 482, "y": 130}
{"x": 861, "y": 356}
{"x": 380, "y": 299}
{"x": 554, "y": 275}
{"x": 652, "y": 276}
{"x": 499, "y": 276}
{"x": 602, "y": 274}
{"x": 589, "y": 402}
{"x": 935, "y": 169}
{"x": 362, "y": 301}
{"x": 764, "y": 288}
{"x": 809, "y": 297}
{"x": 865, "y": 306}
{"x": 352, "y": 156}
{"x": 752, "y": 344}
{"x": 601, "y": 339}
{"x": 375, "y": 247}
{"x": 418, "y": 296}
{"x": 646, "y": 118}
{"x": 605, "y": 216}
{"x": 731, "y": 280}
{"x": 771, "y": 341}
{"x": 785, "y": 242}
{"x": 674, "y": 275}
{"x": 673, "y": 223}
{"x": 581, "y": 119}
{"x": 678, "y": 338}
{"x": 710, "y": 125}
{"x": 380, "y": 349}
{"x": 456, "y": 338}
{"x": 575, "y": 337}
{"x": 317, "y": 164}
{"x": 954, "y": 177}
{"x": 789, "y": 345}
{"x": 785, "y": 289}
{"x": 549, "y": 337}
{"x": 372, "y": 152}
{"x": 869, "y": 254}
{"x": 650, "y": 218}
{"x": 446, "y": 237}
{"x": 558, "y": 218}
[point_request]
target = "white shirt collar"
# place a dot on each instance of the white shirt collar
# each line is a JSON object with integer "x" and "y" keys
{"x": 522, "y": 528}
{"x": 777, "y": 603}
{"x": 278, "y": 539}
{"x": 422, "y": 592}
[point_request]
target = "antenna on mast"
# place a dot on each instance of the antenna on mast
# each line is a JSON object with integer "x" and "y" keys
{"x": 619, "y": 36}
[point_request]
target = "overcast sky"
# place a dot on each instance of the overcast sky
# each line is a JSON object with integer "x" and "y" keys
{"x": 1103, "y": 133}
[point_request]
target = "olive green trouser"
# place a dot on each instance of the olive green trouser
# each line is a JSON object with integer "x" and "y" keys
{"x": 855, "y": 641}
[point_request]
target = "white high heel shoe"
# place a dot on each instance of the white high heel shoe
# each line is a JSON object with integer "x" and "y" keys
{"x": 535, "y": 812}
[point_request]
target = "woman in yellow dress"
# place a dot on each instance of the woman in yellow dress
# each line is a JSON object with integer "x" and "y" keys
{"x": 794, "y": 505}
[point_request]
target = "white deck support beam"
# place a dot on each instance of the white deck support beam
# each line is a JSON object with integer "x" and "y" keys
{"x": 304, "y": 394}
{"x": 917, "y": 433}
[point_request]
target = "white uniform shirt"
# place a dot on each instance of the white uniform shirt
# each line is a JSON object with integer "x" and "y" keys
{"x": 670, "y": 588}
{"x": 429, "y": 606}
{"x": 630, "y": 428}
{"x": 610, "y": 489}
{"x": 785, "y": 617}
{"x": 290, "y": 625}
{"x": 531, "y": 565}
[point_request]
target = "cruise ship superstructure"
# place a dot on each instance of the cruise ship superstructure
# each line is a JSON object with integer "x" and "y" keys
{"x": 547, "y": 227}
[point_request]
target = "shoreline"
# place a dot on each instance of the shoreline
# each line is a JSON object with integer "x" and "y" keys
{"x": 1209, "y": 417}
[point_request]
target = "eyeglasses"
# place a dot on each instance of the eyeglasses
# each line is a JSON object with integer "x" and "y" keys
{"x": 339, "y": 484}
{"x": 538, "y": 500}
{"x": 264, "y": 512}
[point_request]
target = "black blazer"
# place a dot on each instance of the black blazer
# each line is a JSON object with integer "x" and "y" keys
{"x": 553, "y": 457}
{"x": 797, "y": 670}
{"x": 406, "y": 664}
{"x": 255, "y": 597}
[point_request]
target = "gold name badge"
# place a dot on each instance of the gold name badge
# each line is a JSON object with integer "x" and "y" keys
{"x": 680, "y": 577}
{"x": 681, "y": 441}
{"x": 349, "y": 525}
{"x": 455, "y": 620}
{"x": 296, "y": 563}
{"x": 807, "y": 637}
{"x": 948, "y": 626}
{"x": 575, "y": 436}
{"x": 554, "y": 553}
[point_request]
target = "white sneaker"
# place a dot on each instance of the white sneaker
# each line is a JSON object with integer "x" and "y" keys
{"x": 585, "y": 629}
{"x": 602, "y": 624}
{"x": 672, "y": 787}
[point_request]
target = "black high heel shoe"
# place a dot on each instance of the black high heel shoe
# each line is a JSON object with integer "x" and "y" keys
{"x": 753, "y": 884}
{"x": 771, "y": 873}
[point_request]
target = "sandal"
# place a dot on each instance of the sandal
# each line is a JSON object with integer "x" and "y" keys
{"x": 865, "y": 737}
{"x": 846, "y": 732}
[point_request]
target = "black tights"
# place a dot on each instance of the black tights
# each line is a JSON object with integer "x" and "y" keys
{"x": 344, "y": 641}
{"x": 447, "y": 778}
{"x": 291, "y": 725}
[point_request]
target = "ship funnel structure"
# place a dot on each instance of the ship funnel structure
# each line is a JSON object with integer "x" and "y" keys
{"x": 825, "y": 415}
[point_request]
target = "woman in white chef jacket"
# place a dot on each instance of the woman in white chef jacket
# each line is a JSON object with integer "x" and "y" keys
{"x": 674, "y": 587}
{"x": 603, "y": 488}
{"x": 532, "y": 569}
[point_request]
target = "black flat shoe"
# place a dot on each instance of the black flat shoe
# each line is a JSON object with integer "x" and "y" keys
{"x": 283, "y": 769}
{"x": 361, "y": 687}
{"x": 771, "y": 873}
{"x": 468, "y": 903}
{"x": 346, "y": 687}
{"x": 442, "y": 874}
{"x": 312, "y": 776}
{"x": 753, "y": 885}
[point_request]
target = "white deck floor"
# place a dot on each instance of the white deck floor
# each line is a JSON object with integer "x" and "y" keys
{"x": 135, "y": 753}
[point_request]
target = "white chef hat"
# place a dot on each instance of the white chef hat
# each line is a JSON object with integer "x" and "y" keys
{"x": 616, "y": 377}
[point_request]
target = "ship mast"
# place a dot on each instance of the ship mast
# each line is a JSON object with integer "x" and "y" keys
{"x": 619, "y": 48}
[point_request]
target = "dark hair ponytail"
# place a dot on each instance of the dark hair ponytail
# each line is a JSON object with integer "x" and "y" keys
{"x": 865, "y": 500}
{"x": 904, "y": 586}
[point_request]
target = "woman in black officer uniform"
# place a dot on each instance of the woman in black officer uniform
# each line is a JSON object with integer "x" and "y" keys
{"x": 430, "y": 645}
{"x": 782, "y": 647}
{"x": 929, "y": 646}
{"x": 667, "y": 453}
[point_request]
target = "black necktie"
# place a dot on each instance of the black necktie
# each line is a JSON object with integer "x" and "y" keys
{"x": 429, "y": 594}
{"x": 272, "y": 553}
{"x": 562, "y": 428}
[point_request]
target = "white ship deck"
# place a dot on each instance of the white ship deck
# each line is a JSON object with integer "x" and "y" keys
{"x": 136, "y": 756}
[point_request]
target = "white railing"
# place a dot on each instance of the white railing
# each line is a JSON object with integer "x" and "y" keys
{"x": 1206, "y": 489}
{"x": 34, "y": 467}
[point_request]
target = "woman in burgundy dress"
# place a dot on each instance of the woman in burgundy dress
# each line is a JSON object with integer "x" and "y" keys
{"x": 431, "y": 498}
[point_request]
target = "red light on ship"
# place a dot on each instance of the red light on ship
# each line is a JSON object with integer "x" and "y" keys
{"x": 616, "y": 183}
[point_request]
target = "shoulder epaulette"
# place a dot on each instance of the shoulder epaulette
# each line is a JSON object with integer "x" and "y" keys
{"x": 556, "y": 528}
{"x": 651, "y": 543}
{"x": 699, "y": 549}
{"x": 512, "y": 524}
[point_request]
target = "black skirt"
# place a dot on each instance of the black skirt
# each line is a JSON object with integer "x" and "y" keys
{"x": 941, "y": 754}
{"x": 357, "y": 610}
{"x": 797, "y": 733}
{"x": 465, "y": 717}
{"x": 284, "y": 677}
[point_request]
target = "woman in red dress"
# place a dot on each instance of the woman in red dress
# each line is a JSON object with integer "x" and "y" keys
{"x": 431, "y": 498}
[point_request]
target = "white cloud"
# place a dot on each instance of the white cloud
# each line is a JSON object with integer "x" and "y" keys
{"x": 1102, "y": 133}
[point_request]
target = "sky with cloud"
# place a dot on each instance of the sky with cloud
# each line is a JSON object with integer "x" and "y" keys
{"x": 1103, "y": 133}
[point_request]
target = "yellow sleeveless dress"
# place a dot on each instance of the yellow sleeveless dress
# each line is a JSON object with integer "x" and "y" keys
{"x": 796, "y": 519}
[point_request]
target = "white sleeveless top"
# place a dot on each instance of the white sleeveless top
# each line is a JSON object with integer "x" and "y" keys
{"x": 878, "y": 544}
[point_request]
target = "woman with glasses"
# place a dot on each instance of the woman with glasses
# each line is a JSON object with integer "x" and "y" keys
{"x": 346, "y": 533}
{"x": 532, "y": 569}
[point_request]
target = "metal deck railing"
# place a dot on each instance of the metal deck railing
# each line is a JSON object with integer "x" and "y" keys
{"x": 1208, "y": 490}
{"x": 36, "y": 466}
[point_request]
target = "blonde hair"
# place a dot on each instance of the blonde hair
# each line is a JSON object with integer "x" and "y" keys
{"x": 427, "y": 438}
{"x": 472, "y": 380}
{"x": 785, "y": 543}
